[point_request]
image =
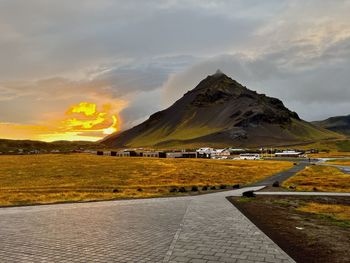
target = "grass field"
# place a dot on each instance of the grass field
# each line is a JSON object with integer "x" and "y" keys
{"x": 340, "y": 162}
{"x": 75, "y": 177}
{"x": 336, "y": 211}
{"x": 319, "y": 178}
{"x": 330, "y": 155}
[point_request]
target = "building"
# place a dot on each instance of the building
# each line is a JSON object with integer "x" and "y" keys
{"x": 289, "y": 154}
{"x": 174, "y": 155}
{"x": 221, "y": 153}
{"x": 205, "y": 152}
{"x": 249, "y": 156}
{"x": 154, "y": 154}
{"x": 189, "y": 155}
{"x": 236, "y": 151}
{"x": 182, "y": 154}
{"x": 124, "y": 153}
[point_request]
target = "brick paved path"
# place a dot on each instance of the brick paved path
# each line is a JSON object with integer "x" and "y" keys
{"x": 205, "y": 228}
{"x": 305, "y": 193}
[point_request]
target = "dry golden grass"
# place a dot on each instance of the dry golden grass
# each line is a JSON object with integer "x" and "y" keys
{"x": 329, "y": 155}
{"x": 320, "y": 178}
{"x": 345, "y": 162}
{"x": 77, "y": 177}
{"x": 339, "y": 212}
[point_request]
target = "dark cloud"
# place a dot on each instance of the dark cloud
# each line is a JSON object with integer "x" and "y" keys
{"x": 316, "y": 87}
{"x": 44, "y": 37}
{"x": 148, "y": 53}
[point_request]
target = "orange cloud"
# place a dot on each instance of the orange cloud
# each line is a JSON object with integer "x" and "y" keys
{"x": 83, "y": 121}
{"x": 86, "y": 108}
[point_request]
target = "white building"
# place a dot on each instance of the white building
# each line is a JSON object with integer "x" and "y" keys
{"x": 205, "y": 152}
{"x": 220, "y": 153}
{"x": 289, "y": 154}
{"x": 249, "y": 156}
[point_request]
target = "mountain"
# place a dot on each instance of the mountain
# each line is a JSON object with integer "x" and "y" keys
{"x": 220, "y": 111}
{"x": 340, "y": 124}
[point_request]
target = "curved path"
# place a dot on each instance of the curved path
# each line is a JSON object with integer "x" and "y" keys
{"x": 205, "y": 228}
{"x": 343, "y": 168}
{"x": 282, "y": 176}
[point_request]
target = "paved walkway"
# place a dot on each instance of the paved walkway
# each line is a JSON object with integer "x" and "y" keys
{"x": 305, "y": 193}
{"x": 206, "y": 228}
{"x": 282, "y": 176}
{"x": 343, "y": 168}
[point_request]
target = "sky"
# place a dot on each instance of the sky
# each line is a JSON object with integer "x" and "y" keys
{"x": 83, "y": 69}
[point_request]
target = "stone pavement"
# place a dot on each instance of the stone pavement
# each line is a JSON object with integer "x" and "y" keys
{"x": 305, "y": 193}
{"x": 205, "y": 228}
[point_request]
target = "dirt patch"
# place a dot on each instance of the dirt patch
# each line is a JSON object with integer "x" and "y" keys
{"x": 306, "y": 237}
{"x": 270, "y": 188}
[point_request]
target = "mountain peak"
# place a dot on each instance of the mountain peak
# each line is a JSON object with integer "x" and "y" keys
{"x": 218, "y": 73}
{"x": 218, "y": 83}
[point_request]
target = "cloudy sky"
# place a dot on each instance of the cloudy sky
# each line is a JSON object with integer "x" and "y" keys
{"x": 83, "y": 69}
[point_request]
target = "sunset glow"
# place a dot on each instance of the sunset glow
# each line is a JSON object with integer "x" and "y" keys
{"x": 83, "y": 121}
{"x": 113, "y": 128}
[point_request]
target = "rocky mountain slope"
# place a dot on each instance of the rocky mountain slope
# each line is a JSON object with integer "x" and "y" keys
{"x": 220, "y": 111}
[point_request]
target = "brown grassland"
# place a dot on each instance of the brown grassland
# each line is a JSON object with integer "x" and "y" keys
{"x": 345, "y": 162}
{"x": 329, "y": 155}
{"x": 319, "y": 178}
{"x": 82, "y": 177}
{"x": 338, "y": 212}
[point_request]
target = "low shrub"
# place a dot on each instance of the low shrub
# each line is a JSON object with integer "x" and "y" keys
{"x": 115, "y": 190}
{"x": 204, "y": 188}
{"x": 223, "y": 186}
{"x": 139, "y": 189}
{"x": 235, "y": 186}
{"x": 194, "y": 189}
{"x": 249, "y": 194}
{"x": 173, "y": 190}
{"x": 182, "y": 190}
{"x": 212, "y": 188}
{"x": 276, "y": 184}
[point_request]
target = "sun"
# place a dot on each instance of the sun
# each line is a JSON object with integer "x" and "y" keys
{"x": 113, "y": 128}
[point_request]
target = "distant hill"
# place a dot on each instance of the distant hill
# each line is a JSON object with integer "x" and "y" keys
{"x": 220, "y": 111}
{"x": 340, "y": 124}
{"x": 9, "y": 146}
